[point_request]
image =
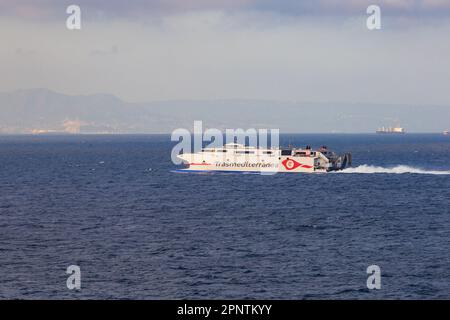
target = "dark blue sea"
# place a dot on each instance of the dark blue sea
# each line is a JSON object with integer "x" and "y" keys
{"x": 113, "y": 206}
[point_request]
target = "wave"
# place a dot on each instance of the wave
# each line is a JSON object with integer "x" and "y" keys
{"x": 397, "y": 170}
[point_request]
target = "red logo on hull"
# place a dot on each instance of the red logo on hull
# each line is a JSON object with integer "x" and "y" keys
{"x": 290, "y": 164}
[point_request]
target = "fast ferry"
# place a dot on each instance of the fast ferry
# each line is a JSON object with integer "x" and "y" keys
{"x": 237, "y": 157}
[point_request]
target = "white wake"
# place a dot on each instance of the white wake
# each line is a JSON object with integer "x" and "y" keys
{"x": 397, "y": 169}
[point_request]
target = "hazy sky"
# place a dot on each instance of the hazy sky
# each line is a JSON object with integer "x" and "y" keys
{"x": 318, "y": 51}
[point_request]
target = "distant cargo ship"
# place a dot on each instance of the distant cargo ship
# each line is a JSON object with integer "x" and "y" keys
{"x": 391, "y": 130}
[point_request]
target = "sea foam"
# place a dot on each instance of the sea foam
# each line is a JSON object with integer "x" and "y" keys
{"x": 396, "y": 169}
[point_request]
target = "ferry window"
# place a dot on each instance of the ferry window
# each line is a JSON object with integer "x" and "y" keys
{"x": 207, "y": 150}
{"x": 221, "y": 150}
{"x": 286, "y": 152}
{"x": 244, "y": 152}
{"x": 267, "y": 152}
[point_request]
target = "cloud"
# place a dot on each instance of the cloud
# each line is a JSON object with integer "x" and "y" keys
{"x": 24, "y": 52}
{"x": 119, "y": 9}
{"x": 248, "y": 51}
{"x": 112, "y": 51}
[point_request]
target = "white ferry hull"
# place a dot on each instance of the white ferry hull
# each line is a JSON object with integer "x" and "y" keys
{"x": 252, "y": 167}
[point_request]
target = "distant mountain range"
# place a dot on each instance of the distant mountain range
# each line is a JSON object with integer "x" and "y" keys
{"x": 45, "y": 111}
